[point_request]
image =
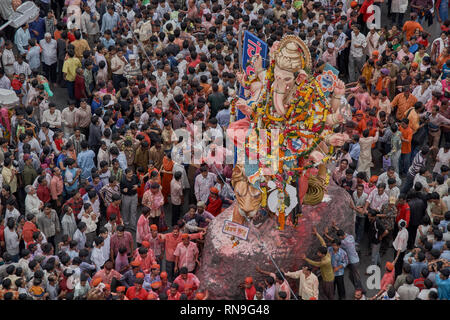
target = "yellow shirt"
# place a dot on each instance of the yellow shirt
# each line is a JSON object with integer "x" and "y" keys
{"x": 80, "y": 46}
{"x": 326, "y": 269}
{"x": 9, "y": 179}
{"x": 70, "y": 67}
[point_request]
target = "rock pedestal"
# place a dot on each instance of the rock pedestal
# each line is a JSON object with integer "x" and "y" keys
{"x": 223, "y": 266}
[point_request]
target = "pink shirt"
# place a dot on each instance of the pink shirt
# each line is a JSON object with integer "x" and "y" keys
{"x": 186, "y": 255}
{"x": 147, "y": 262}
{"x": 143, "y": 229}
{"x": 176, "y": 192}
{"x": 107, "y": 278}
{"x": 56, "y": 187}
{"x": 154, "y": 201}
{"x": 388, "y": 279}
{"x": 171, "y": 243}
{"x": 124, "y": 241}
{"x": 156, "y": 244}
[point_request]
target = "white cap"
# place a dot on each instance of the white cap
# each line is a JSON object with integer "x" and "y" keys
{"x": 131, "y": 57}
{"x": 331, "y": 45}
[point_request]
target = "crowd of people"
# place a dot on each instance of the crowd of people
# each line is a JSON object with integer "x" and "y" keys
{"x": 88, "y": 185}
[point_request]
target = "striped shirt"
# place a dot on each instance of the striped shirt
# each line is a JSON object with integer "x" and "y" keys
{"x": 418, "y": 162}
{"x": 107, "y": 193}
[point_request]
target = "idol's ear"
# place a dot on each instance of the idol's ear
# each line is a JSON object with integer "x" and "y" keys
{"x": 301, "y": 76}
{"x": 237, "y": 174}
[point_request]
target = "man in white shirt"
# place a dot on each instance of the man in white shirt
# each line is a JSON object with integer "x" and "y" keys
{"x": 372, "y": 40}
{"x": 392, "y": 190}
{"x": 97, "y": 256}
{"x": 118, "y": 62}
{"x": 68, "y": 119}
{"x": 390, "y": 173}
{"x": 5, "y": 83}
{"x": 357, "y": 58}
{"x": 21, "y": 66}
{"x": 203, "y": 182}
{"x": 52, "y": 116}
{"x": 308, "y": 283}
{"x": 8, "y": 58}
{"x": 400, "y": 244}
{"x": 422, "y": 177}
{"x": 377, "y": 198}
{"x": 32, "y": 203}
{"x": 49, "y": 57}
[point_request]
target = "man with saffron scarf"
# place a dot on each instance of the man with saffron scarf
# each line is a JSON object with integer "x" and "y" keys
{"x": 167, "y": 175}
{"x": 214, "y": 203}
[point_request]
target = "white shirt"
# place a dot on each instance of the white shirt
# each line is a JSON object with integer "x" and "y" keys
{"x": 422, "y": 97}
{"x": 48, "y": 51}
{"x": 422, "y": 180}
{"x": 441, "y": 159}
{"x": 202, "y": 186}
{"x": 97, "y": 258}
{"x": 53, "y": 119}
{"x": 375, "y": 37}
{"x": 401, "y": 240}
{"x": 11, "y": 242}
{"x": 32, "y": 204}
{"x": 41, "y": 135}
{"x": 22, "y": 68}
{"x": 106, "y": 247}
{"x": 14, "y": 213}
{"x": 68, "y": 118}
{"x": 384, "y": 178}
{"x": 79, "y": 237}
{"x": 8, "y": 58}
{"x": 359, "y": 39}
{"x": 423, "y": 295}
{"x": 5, "y": 83}
{"x": 394, "y": 192}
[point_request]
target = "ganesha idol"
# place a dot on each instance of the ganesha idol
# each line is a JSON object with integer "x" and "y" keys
{"x": 285, "y": 97}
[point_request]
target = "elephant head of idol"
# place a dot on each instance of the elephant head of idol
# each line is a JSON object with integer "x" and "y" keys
{"x": 248, "y": 198}
{"x": 292, "y": 58}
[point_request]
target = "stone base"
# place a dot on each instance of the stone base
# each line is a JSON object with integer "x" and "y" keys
{"x": 224, "y": 267}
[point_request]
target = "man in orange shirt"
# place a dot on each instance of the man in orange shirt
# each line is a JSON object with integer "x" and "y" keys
{"x": 412, "y": 114}
{"x": 405, "y": 157}
{"x": 136, "y": 291}
{"x": 403, "y": 101}
{"x": 410, "y": 26}
{"x": 360, "y": 121}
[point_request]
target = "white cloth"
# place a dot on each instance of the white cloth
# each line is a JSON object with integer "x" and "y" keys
{"x": 401, "y": 241}
{"x": 11, "y": 242}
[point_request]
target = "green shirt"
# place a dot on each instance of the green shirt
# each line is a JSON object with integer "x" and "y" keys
{"x": 29, "y": 174}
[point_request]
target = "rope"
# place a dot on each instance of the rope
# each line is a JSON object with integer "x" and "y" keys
{"x": 263, "y": 245}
